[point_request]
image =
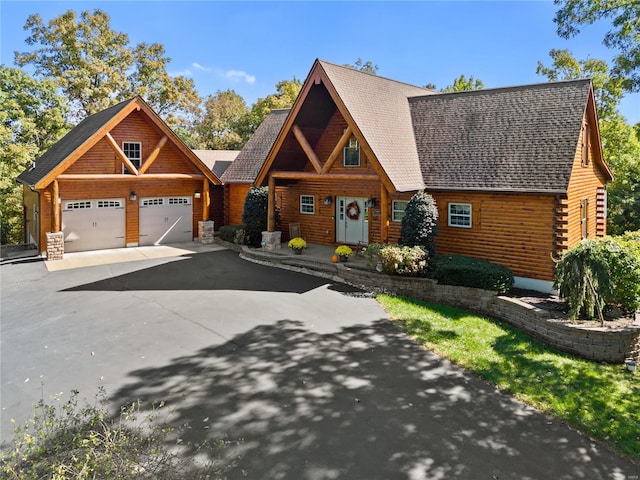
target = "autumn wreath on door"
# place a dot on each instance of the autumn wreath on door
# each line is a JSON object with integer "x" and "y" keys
{"x": 353, "y": 211}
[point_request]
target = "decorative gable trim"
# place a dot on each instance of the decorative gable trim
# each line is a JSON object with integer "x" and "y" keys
{"x": 135, "y": 104}
{"x": 318, "y": 76}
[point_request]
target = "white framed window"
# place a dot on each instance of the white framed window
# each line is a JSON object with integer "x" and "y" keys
{"x": 133, "y": 151}
{"x": 460, "y": 215}
{"x": 307, "y": 204}
{"x": 397, "y": 210}
{"x": 351, "y": 153}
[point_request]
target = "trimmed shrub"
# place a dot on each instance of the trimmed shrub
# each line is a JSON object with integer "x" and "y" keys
{"x": 403, "y": 260}
{"x": 254, "y": 216}
{"x": 232, "y": 234}
{"x": 420, "y": 223}
{"x": 473, "y": 272}
{"x": 599, "y": 273}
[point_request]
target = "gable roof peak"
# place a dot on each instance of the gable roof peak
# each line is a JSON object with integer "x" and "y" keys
{"x": 373, "y": 75}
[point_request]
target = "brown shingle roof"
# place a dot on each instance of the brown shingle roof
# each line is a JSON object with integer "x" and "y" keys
{"x": 73, "y": 140}
{"x": 247, "y": 164}
{"x": 380, "y": 109}
{"x": 217, "y": 160}
{"x": 508, "y": 139}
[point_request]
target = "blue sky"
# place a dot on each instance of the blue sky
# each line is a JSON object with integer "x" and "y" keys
{"x": 250, "y": 46}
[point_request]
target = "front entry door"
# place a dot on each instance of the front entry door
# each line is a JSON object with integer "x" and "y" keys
{"x": 352, "y": 225}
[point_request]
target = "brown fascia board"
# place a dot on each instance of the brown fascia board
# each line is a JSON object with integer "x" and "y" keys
{"x": 317, "y": 75}
{"x": 177, "y": 141}
{"x": 82, "y": 149}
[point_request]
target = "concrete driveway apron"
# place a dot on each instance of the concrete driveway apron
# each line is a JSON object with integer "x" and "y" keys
{"x": 309, "y": 373}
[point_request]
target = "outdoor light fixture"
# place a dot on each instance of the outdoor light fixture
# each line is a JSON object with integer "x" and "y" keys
{"x": 196, "y": 194}
{"x": 371, "y": 202}
{"x": 132, "y": 196}
{"x": 327, "y": 200}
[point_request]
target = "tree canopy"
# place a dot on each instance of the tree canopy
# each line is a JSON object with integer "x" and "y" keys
{"x": 95, "y": 66}
{"x": 622, "y": 37}
{"x": 620, "y": 143}
{"x": 367, "y": 67}
{"x": 462, "y": 84}
{"x": 217, "y": 128}
{"x": 32, "y": 118}
{"x": 608, "y": 89}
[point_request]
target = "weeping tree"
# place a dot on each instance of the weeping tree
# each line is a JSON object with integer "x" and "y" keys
{"x": 420, "y": 223}
{"x": 599, "y": 273}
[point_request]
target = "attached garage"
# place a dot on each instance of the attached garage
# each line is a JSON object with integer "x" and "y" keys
{"x": 120, "y": 178}
{"x": 166, "y": 220}
{"x": 93, "y": 224}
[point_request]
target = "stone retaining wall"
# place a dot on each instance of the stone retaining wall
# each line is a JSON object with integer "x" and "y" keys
{"x": 599, "y": 344}
{"x": 612, "y": 345}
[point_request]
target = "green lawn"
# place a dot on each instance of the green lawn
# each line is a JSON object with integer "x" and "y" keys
{"x": 601, "y": 400}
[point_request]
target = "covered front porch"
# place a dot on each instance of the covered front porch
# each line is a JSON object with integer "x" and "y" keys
{"x": 315, "y": 256}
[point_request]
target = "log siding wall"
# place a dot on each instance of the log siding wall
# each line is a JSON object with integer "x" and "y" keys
{"x": 514, "y": 230}
{"x": 584, "y": 184}
{"x": 135, "y": 128}
{"x": 101, "y": 159}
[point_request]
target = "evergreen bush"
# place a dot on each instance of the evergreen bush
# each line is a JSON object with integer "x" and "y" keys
{"x": 232, "y": 234}
{"x": 254, "y": 216}
{"x": 420, "y": 223}
{"x": 473, "y": 272}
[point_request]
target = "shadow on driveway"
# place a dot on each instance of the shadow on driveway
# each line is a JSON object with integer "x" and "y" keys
{"x": 221, "y": 270}
{"x": 364, "y": 402}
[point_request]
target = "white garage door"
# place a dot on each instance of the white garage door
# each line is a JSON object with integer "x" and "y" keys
{"x": 93, "y": 224}
{"x": 165, "y": 220}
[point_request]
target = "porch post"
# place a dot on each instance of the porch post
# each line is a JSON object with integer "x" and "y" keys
{"x": 384, "y": 213}
{"x": 271, "y": 205}
{"x": 55, "y": 208}
{"x": 205, "y": 199}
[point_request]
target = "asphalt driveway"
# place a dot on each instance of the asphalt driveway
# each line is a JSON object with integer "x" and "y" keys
{"x": 310, "y": 374}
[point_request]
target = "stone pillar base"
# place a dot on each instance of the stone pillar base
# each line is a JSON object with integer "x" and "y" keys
{"x": 205, "y": 231}
{"x": 271, "y": 241}
{"x": 55, "y": 246}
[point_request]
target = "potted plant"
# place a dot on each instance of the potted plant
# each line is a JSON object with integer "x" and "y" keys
{"x": 297, "y": 244}
{"x": 344, "y": 252}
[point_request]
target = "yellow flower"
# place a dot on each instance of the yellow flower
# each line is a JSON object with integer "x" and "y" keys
{"x": 344, "y": 251}
{"x": 297, "y": 243}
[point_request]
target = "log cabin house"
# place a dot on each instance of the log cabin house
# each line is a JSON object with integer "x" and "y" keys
{"x": 119, "y": 178}
{"x": 517, "y": 173}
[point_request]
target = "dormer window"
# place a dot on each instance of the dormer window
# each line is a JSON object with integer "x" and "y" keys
{"x": 133, "y": 151}
{"x": 351, "y": 155}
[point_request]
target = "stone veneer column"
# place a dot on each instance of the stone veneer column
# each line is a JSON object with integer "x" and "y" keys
{"x": 55, "y": 246}
{"x": 271, "y": 241}
{"x": 205, "y": 231}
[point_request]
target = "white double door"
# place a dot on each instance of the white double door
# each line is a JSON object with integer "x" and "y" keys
{"x": 352, "y": 225}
